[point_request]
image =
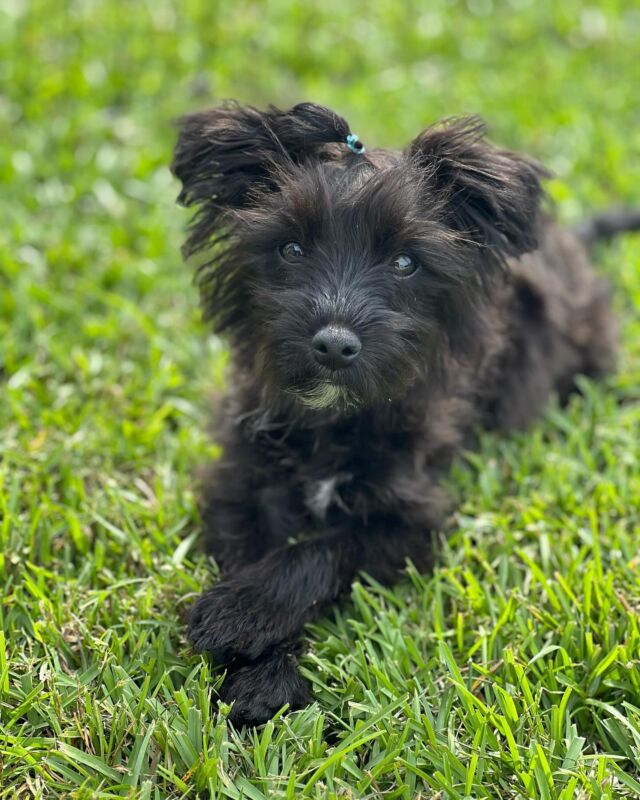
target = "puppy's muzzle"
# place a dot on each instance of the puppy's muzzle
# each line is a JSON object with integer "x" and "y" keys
{"x": 336, "y": 347}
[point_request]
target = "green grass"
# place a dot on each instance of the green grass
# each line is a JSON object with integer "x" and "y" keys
{"x": 511, "y": 672}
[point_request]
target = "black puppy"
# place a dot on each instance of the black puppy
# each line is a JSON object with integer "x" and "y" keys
{"x": 379, "y": 306}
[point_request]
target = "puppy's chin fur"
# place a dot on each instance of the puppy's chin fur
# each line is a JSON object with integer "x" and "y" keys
{"x": 326, "y": 395}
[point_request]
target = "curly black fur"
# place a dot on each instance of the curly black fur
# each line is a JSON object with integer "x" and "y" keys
{"x": 503, "y": 308}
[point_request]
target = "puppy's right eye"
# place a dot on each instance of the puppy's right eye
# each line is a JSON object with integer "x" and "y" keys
{"x": 291, "y": 251}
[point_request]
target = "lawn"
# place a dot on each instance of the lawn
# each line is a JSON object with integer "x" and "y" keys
{"x": 512, "y": 671}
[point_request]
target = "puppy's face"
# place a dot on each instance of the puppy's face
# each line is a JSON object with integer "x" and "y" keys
{"x": 347, "y": 267}
{"x": 342, "y": 276}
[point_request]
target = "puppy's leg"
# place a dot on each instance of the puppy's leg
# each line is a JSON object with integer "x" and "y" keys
{"x": 260, "y": 688}
{"x": 270, "y": 601}
{"x": 242, "y": 523}
{"x": 602, "y": 349}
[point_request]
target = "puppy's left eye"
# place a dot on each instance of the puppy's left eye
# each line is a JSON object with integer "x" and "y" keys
{"x": 291, "y": 251}
{"x": 404, "y": 266}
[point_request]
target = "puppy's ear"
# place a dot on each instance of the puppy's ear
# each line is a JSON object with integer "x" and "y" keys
{"x": 490, "y": 195}
{"x": 224, "y": 154}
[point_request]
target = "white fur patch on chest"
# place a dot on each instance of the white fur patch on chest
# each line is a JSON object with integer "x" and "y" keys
{"x": 320, "y": 494}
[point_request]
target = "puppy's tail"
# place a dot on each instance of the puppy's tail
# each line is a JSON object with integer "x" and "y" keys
{"x": 606, "y": 225}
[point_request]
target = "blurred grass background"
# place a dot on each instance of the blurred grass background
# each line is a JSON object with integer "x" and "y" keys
{"x": 513, "y": 671}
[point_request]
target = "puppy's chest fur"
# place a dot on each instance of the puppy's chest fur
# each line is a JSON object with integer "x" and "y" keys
{"x": 321, "y": 494}
{"x": 354, "y": 467}
{"x": 334, "y": 469}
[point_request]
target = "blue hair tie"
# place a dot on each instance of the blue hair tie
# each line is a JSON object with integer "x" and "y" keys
{"x": 354, "y": 144}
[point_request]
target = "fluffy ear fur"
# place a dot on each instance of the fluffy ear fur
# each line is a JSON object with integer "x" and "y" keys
{"x": 490, "y": 195}
{"x": 224, "y": 154}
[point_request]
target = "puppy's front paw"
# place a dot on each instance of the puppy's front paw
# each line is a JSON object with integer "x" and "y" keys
{"x": 259, "y": 690}
{"x": 232, "y": 620}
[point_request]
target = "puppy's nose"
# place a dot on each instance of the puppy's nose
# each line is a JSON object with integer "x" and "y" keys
{"x": 335, "y": 347}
